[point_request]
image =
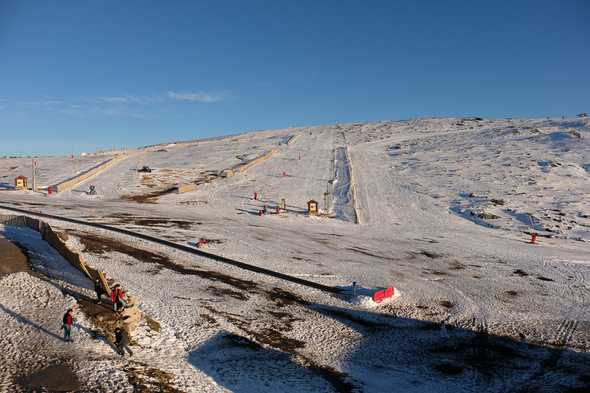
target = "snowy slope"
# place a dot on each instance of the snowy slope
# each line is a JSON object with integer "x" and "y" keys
{"x": 445, "y": 207}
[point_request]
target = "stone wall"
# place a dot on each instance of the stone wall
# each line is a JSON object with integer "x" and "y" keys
{"x": 74, "y": 181}
{"x": 241, "y": 168}
{"x": 131, "y": 315}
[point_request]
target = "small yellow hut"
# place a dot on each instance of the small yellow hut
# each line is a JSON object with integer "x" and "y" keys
{"x": 312, "y": 208}
{"x": 21, "y": 182}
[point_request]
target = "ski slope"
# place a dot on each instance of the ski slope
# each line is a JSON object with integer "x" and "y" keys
{"x": 445, "y": 208}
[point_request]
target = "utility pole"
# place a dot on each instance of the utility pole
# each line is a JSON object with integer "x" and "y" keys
{"x": 327, "y": 202}
{"x": 34, "y": 174}
{"x": 328, "y": 197}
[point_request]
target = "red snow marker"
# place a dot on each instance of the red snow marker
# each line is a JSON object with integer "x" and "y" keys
{"x": 255, "y": 196}
{"x": 533, "y": 238}
{"x": 383, "y": 294}
{"x": 202, "y": 242}
{"x": 389, "y": 292}
{"x": 49, "y": 190}
{"x": 378, "y": 296}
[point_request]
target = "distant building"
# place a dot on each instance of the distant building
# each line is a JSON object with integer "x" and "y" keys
{"x": 312, "y": 208}
{"x": 21, "y": 182}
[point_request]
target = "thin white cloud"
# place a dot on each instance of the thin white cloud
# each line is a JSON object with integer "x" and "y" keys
{"x": 115, "y": 105}
{"x": 115, "y": 100}
{"x": 197, "y": 97}
{"x": 131, "y": 99}
{"x": 45, "y": 103}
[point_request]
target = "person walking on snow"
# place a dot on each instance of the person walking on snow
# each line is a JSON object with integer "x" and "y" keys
{"x": 122, "y": 342}
{"x": 67, "y": 322}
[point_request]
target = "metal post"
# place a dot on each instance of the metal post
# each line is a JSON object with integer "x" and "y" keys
{"x": 34, "y": 170}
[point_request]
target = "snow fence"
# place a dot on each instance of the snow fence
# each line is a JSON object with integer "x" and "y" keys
{"x": 131, "y": 316}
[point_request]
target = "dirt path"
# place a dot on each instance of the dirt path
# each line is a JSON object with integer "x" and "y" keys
{"x": 12, "y": 259}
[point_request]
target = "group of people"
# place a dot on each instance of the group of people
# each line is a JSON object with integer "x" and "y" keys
{"x": 121, "y": 335}
{"x": 118, "y": 296}
{"x": 119, "y": 300}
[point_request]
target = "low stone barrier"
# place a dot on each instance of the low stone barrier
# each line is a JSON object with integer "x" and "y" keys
{"x": 74, "y": 181}
{"x": 182, "y": 188}
{"x": 131, "y": 316}
{"x": 293, "y": 138}
{"x": 243, "y": 167}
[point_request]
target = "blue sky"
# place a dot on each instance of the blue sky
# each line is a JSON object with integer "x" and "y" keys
{"x": 80, "y": 75}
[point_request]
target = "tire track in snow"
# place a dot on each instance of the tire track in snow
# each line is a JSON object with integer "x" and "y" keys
{"x": 565, "y": 331}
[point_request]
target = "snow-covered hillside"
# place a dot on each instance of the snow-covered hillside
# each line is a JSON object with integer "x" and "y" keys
{"x": 442, "y": 209}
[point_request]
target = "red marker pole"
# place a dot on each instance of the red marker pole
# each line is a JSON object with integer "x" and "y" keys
{"x": 533, "y": 238}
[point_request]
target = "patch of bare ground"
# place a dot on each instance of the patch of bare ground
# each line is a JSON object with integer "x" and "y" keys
{"x": 208, "y": 320}
{"x": 456, "y": 265}
{"x": 339, "y": 380}
{"x": 446, "y": 304}
{"x": 434, "y": 272}
{"x": 13, "y": 258}
{"x": 151, "y": 197}
{"x": 99, "y": 245}
{"x": 152, "y": 323}
{"x": 283, "y": 298}
{"x": 424, "y": 253}
{"x": 430, "y": 254}
{"x": 151, "y": 221}
{"x": 145, "y": 379}
{"x": 369, "y": 253}
{"x": 223, "y": 292}
{"x": 520, "y": 273}
{"x": 54, "y": 378}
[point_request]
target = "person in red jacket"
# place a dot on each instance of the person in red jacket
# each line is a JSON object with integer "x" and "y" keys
{"x": 118, "y": 298}
{"x": 68, "y": 321}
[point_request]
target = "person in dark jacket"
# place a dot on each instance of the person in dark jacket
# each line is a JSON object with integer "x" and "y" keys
{"x": 98, "y": 289}
{"x": 122, "y": 342}
{"x": 67, "y": 322}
